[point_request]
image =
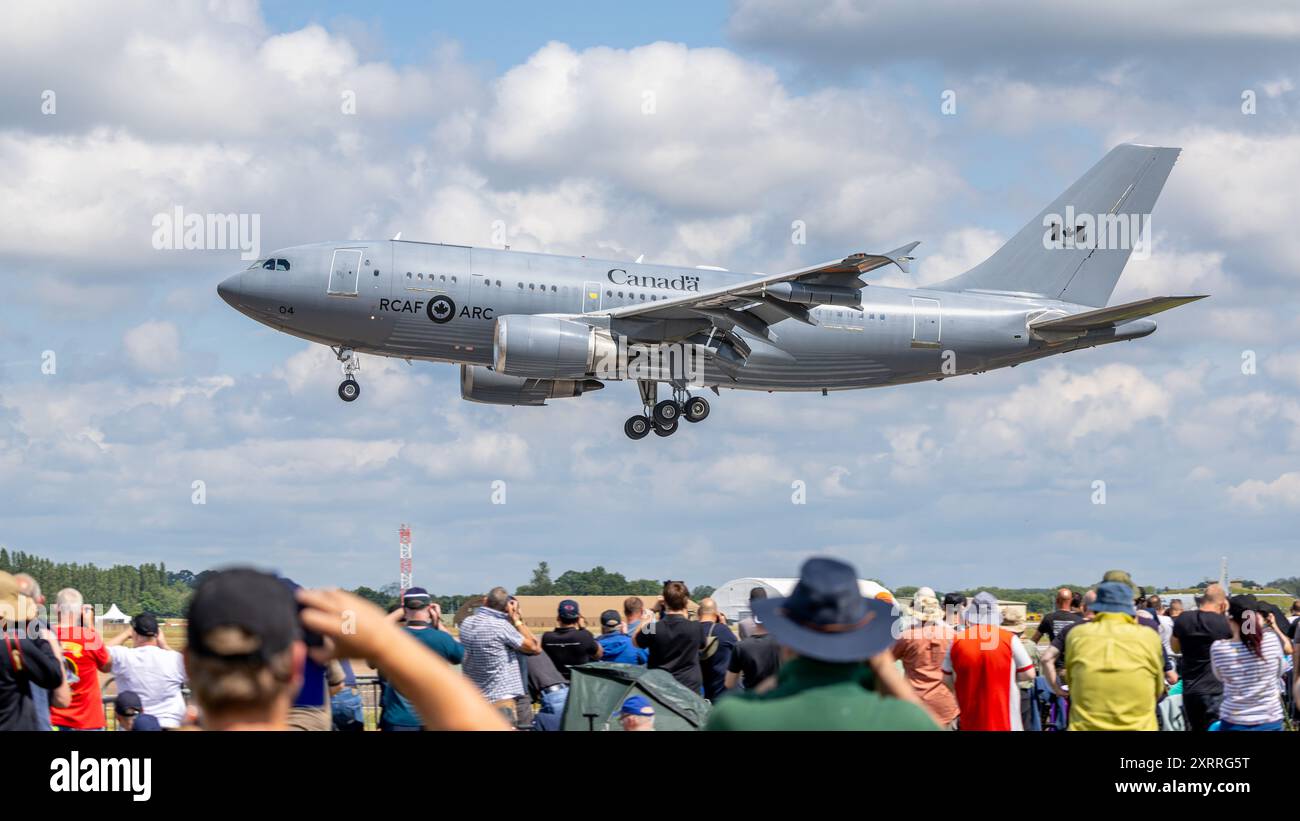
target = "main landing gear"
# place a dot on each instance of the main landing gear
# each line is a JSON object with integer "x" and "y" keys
{"x": 349, "y": 388}
{"x": 663, "y": 417}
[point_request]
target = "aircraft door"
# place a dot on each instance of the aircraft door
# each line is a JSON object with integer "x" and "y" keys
{"x": 927, "y": 322}
{"x": 344, "y": 270}
{"x": 590, "y": 297}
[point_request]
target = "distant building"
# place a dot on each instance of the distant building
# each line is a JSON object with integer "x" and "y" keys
{"x": 733, "y": 597}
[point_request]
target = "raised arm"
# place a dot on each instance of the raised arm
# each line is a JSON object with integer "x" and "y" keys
{"x": 443, "y": 698}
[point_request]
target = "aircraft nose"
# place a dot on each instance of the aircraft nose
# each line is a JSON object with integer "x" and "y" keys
{"x": 230, "y": 290}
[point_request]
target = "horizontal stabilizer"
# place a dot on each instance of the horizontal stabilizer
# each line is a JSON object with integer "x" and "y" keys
{"x": 1114, "y": 315}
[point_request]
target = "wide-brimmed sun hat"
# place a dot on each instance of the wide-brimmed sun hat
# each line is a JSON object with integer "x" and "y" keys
{"x": 826, "y": 617}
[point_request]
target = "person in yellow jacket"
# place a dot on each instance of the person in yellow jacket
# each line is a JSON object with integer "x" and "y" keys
{"x": 1115, "y": 666}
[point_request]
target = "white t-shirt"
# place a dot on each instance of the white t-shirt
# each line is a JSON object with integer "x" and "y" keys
{"x": 154, "y": 674}
{"x": 1166, "y": 630}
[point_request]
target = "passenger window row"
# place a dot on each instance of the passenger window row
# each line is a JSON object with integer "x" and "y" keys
{"x": 431, "y": 277}
{"x": 632, "y": 296}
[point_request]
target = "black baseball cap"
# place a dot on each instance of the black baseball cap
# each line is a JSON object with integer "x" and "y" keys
{"x": 242, "y": 614}
{"x": 416, "y": 597}
{"x": 145, "y": 624}
{"x": 951, "y": 599}
{"x": 568, "y": 610}
{"x": 610, "y": 619}
{"x": 128, "y": 703}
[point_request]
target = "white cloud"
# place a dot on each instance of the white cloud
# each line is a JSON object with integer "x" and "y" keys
{"x": 1258, "y": 494}
{"x": 154, "y": 347}
{"x": 1285, "y": 365}
{"x": 958, "y": 251}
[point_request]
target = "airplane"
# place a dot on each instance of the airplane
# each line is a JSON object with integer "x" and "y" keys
{"x": 527, "y": 327}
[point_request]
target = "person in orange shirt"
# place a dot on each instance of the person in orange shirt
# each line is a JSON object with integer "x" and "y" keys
{"x": 922, "y": 648}
{"x": 84, "y": 650}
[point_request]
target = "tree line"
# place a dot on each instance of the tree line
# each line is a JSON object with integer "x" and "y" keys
{"x": 594, "y": 582}
{"x": 145, "y": 588}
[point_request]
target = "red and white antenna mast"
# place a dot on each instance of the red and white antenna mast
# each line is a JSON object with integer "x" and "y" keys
{"x": 404, "y": 558}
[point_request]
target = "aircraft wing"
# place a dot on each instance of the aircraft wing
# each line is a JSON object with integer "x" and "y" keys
{"x": 1113, "y": 315}
{"x": 755, "y": 304}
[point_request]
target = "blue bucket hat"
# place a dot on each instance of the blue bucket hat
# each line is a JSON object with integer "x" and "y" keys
{"x": 826, "y": 617}
{"x": 1114, "y": 597}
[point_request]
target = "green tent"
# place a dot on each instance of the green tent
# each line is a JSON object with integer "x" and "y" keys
{"x": 597, "y": 691}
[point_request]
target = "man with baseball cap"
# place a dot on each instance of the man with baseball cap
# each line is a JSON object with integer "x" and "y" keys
{"x": 149, "y": 669}
{"x": 1114, "y": 665}
{"x": 615, "y": 644}
{"x": 422, "y": 618}
{"x": 569, "y": 644}
{"x": 245, "y": 651}
{"x": 637, "y": 714}
{"x": 827, "y": 630}
{"x": 25, "y": 664}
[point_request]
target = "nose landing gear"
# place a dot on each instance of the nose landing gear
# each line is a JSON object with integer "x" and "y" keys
{"x": 663, "y": 417}
{"x": 349, "y": 388}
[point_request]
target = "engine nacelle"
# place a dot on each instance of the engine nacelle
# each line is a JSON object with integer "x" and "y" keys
{"x": 816, "y": 294}
{"x": 478, "y": 384}
{"x": 543, "y": 347}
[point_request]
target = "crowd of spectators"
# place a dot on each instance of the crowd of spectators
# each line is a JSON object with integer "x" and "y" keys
{"x": 263, "y": 653}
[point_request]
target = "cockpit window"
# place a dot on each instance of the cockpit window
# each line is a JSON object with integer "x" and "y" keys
{"x": 257, "y": 263}
{"x": 276, "y": 264}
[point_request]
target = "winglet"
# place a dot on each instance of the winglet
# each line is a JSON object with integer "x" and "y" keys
{"x": 901, "y": 256}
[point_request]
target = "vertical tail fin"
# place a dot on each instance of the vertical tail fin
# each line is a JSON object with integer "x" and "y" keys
{"x": 1076, "y": 248}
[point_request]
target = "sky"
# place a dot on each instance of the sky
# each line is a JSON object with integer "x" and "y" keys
{"x": 142, "y": 420}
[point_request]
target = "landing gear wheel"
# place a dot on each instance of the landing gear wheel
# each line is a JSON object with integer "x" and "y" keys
{"x": 667, "y": 412}
{"x": 636, "y": 427}
{"x": 665, "y": 430}
{"x": 349, "y": 389}
{"x": 697, "y": 409}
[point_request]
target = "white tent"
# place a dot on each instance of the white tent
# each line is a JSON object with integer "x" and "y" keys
{"x": 733, "y": 597}
{"x": 114, "y": 614}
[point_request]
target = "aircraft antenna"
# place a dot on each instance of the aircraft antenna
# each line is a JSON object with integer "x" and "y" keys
{"x": 404, "y": 558}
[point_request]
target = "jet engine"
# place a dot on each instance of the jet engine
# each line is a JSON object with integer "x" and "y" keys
{"x": 543, "y": 347}
{"x": 478, "y": 384}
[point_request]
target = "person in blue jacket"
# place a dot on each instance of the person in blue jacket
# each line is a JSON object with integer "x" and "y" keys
{"x": 617, "y": 644}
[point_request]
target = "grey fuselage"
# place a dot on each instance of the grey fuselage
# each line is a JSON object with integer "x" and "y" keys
{"x": 901, "y": 335}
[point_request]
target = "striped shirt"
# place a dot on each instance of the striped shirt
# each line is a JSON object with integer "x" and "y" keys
{"x": 491, "y": 645}
{"x": 1250, "y": 683}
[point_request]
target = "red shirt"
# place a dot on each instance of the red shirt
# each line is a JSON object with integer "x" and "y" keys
{"x": 984, "y": 664}
{"x": 84, "y": 647}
